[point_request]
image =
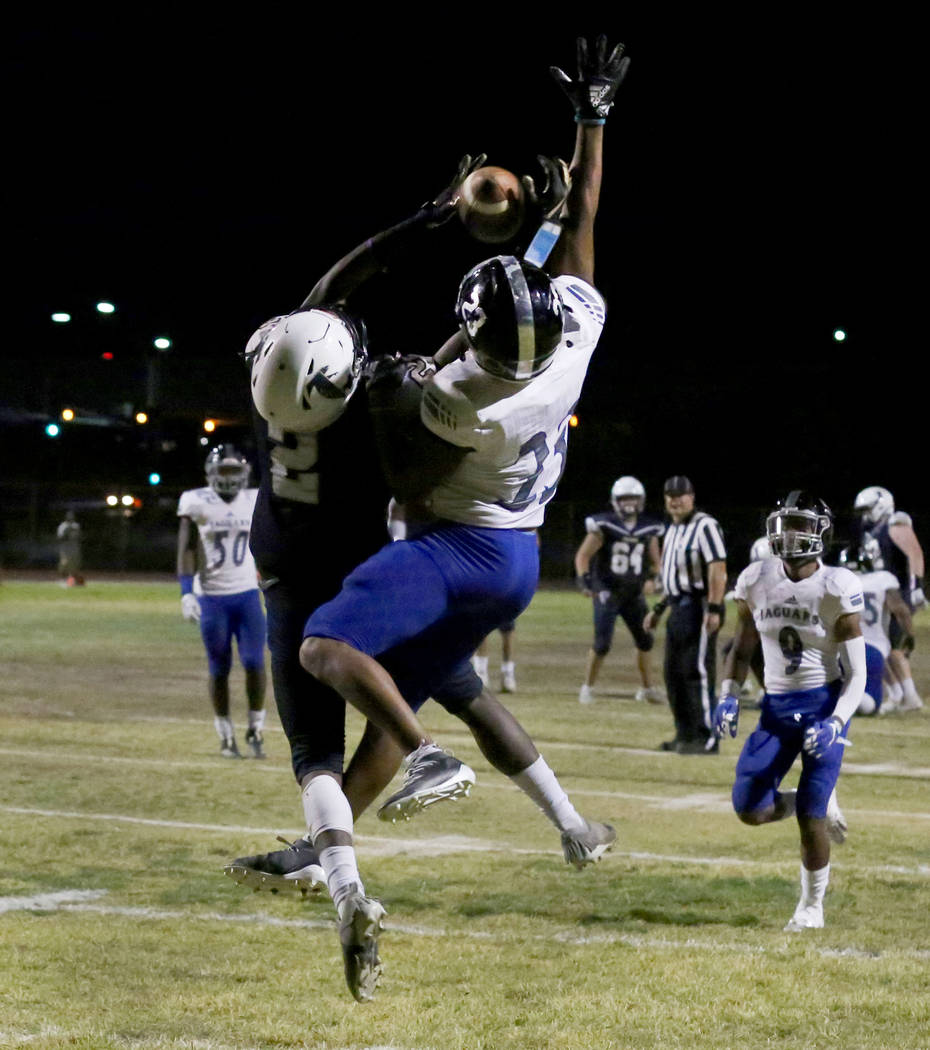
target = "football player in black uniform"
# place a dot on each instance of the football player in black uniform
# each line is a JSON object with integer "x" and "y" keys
{"x": 320, "y": 511}
{"x": 900, "y": 553}
{"x": 616, "y": 565}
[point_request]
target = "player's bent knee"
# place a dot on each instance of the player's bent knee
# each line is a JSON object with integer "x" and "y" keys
{"x": 601, "y": 649}
{"x": 318, "y": 657}
{"x": 646, "y": 643}
{"x": 754, "y": 817}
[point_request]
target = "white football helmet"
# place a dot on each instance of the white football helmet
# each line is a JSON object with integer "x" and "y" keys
{"x": 627, "y": 496}
{"x": 874, "y": 504}
{"x": 305, "y": 367}
{"x": 227, "y": 470}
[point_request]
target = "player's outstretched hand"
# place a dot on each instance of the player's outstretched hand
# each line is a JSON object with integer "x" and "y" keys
{"x": 821, "y": 736}
{"x": 557, "y": 181}
{"x": 599, "y": 77}
{"x": 190, "y": 608}
{"x": 443, "y": 206}
{"x": 726, "y": 717}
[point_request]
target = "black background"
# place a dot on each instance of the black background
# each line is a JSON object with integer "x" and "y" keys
{"x": 758, "y": 193}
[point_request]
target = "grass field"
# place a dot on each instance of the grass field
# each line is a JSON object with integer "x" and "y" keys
{"x": 119, "y": 930}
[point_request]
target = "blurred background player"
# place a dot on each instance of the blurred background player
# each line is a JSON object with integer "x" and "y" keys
{"x": 900, "y": 553}
{"x": 213, "y": 548}
{"x": 508, "y": 664}
{"x": 694, "y": 579}
{"x": 882, "y": 600}
{"x": 615, "y": 566}
{"x": 806, "y": 615}
{"x": 70, "y": 567}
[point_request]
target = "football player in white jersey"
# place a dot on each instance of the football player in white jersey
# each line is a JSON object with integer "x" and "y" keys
{"x": 807, "y": 617}
{"x": 219, "y": 589}
{"x": 481, "y": 469}
{"x": 881, "y": 600}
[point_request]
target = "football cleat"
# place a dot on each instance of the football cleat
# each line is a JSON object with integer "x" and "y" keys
{"x": 909, "y": 703}
{"x": 836, "y": 822}
{"x": 432, "y": 775}
{"x": 229, "y": 748}
{"x": 360, "y": 922}
{"x": 652, "y": 695}
{"x": 587, "y": 845}
{"x": 256, "y": 741}
{"x": 295, "y": 868}
{"x": 585, "y": 695}
{"x": 508, "y": 682}
{"x": 805, "y": 918}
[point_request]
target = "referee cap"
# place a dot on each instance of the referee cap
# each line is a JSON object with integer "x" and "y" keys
{"x": 678, "y": 485}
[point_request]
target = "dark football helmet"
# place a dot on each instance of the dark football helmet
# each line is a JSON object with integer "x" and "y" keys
{"x": 511, "y": 314}
{"x": 798, "y": 526}
{"x": 227, "y": 471}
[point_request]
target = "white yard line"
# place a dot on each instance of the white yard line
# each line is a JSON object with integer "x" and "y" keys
{"x": 565, "y": 936}
{"x": 444, "y": 845}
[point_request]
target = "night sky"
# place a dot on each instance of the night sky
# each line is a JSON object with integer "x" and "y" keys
{"x": 758, "y": 193}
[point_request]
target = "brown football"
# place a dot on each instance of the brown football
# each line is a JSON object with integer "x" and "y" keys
{"x": 490, "y": 204}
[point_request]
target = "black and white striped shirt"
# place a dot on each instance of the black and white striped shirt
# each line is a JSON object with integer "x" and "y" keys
{"x": 688, "y": 548}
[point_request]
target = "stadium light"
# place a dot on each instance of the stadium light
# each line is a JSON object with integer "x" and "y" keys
{"x": 573, "y": 420}
{"x": 52, "y": 430}
{"x": 209, "y": 425}
{"x": 67, "y": 414}
{"x": 839, "y": 334}
{"x": 127, "y": 501}
{"x": 142, "y": 417}
{"x": 161, "y": 343}
{"x": 61, "y": 317}
{"x": 112, "y": 501}
{"x": 103, "y": 307}
{"x": 154, "y": 478}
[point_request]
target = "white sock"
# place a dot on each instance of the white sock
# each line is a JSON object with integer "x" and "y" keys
{"x": 480, "y": 663}
{"x": 327, "y": 809}
{"x": 907, "y": 687}
{"x": 224, "y": 727}
{"x": 257, "y": 720}
{"x": 895, "y": 692}
{"x": 508, "y": 667}
{"x": 814, "y": 886}
{"x": 341, "y": 870}
{"x": 541, "y": 784}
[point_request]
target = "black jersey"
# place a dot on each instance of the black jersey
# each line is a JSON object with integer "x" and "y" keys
{"x": 321, "y": 503}
{"x": 622, "y": 564}
{"x": 891, "y": 558}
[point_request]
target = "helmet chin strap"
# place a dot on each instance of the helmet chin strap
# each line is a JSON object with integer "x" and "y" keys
{"x": 523, "y": 308}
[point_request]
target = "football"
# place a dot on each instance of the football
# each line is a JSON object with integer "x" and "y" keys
{"x": 490, "y": 204}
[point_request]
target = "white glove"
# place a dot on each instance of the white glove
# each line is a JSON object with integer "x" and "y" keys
{"x": 918, "y": 599}
{"x": 190, "y": 608}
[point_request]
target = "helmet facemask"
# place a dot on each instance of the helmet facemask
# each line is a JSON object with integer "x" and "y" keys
{"x": 796, "y": 533}
{"x": 227, "y": 471}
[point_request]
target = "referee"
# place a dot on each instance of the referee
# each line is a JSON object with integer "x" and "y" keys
{"x": 694, "y": 576}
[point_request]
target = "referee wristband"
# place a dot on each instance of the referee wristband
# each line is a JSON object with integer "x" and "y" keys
{"x": 187, "y": 584}
{"x": 716, "y": 607}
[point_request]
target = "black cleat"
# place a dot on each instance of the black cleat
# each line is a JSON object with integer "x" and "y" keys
{"x": 256, "y": 742}
{"x": 295, "y": 868}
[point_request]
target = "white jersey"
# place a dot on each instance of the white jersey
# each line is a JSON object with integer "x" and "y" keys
{"x": 875, "y": 616}
{"x": 226, "y": 565}
{"x": 516, "y": 430}
{"x": 796, "y": 621}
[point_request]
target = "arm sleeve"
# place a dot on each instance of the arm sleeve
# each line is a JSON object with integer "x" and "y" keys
{"x": 852, "y": 654}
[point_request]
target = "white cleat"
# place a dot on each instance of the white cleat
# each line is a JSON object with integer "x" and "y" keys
{"x": 360, "y": 924}
{"x": 587, "y": 845}
{"x": 431, "y": 776}
{"x": 837, "y": 827}
{"x": 508, "y": 682}
{"x": 910, "y": 703}
{"x": 585, "y": 695}
{"x": 650, "y": 695}
{"x": 805, "y": 918}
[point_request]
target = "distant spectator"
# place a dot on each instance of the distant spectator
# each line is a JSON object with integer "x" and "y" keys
{"x": 69, "y": 552}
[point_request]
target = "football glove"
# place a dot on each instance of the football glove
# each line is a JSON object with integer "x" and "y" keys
{"x": 821, "y": 736}
{"x": 442, "y": 207}
{"x": 599, "y": 77}
{"x": 557, "y": 181}
{"x": 190, "y": 608}
{"x": 726, "y": 717}
{"x": 918, "y": 598}
{"x": 585, "y": 583}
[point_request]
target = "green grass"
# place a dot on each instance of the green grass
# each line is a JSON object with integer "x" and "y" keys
{"x": 113, "y": 792}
